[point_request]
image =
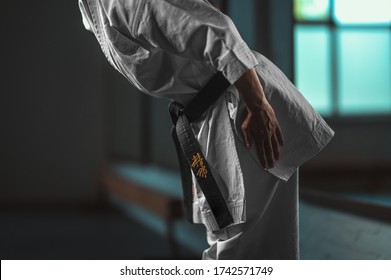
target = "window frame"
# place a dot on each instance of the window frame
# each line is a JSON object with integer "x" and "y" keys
{"x": 336, "y": 112}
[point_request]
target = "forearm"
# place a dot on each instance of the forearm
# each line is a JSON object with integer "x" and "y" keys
{"x": 250, "y": 90}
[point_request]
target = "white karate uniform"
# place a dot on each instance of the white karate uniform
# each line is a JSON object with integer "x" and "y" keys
{"x": 171, "y": 48}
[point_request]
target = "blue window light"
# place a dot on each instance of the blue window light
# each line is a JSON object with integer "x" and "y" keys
{"x": 364, "y": 70}
{"x": 362, "y": 12}
{"x": 312, "y": 65}
{"x": 343, "y": 65}
{"x": 311, "y": 10}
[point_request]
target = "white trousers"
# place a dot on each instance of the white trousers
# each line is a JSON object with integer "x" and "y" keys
{"x": 271, "y": 227}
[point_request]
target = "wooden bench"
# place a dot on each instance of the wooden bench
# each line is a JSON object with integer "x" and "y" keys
{"x": 348, "y": 203}
{"x": 347, "y": 176}
{"x": 330, "y": 183}
{"x": 165, "y": 205}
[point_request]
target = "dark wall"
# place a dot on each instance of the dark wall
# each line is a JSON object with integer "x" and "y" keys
{"x": 162, "y": 148}
{"x": 126, "y": 127}
{"x": 273, "y": 32}
{"x": 52, "y": 104}
{"x": 361, "y": 140}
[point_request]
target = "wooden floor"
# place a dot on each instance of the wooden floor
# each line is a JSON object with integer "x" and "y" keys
{"x": 107, "y": 234}
{"x": 78, "y": 234}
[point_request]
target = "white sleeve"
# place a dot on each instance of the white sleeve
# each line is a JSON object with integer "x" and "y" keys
{"x": 191, "y": 29}
{"x": 84, "y": 16}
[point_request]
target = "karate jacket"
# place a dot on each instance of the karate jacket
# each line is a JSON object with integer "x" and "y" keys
{"x": 170, "y": 49}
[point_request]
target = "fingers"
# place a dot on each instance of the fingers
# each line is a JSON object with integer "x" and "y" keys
{"x": 268, "y": 151}
{"x": 276, "y": 147}
{"x": 261, "y": 154}
{"x": 246, "y": 130}
{"x": 279, "y": 136}
{"x": 267, "y": 137}
{"x": 247, "y": 137}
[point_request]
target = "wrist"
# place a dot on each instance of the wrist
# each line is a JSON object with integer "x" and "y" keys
{"x": 251, "y": 90}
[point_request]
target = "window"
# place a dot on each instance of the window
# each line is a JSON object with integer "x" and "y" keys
{"x": 343, "y": 55}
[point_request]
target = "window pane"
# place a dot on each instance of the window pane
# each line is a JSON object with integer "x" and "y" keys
{"x": 364, "y": 70}
{"x": 312, "y": 66}
{"x": 362, "y": 12}
{"x": 312, "y": 10}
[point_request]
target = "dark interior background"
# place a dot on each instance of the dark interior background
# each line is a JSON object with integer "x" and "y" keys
{"x": 65, "y": 112}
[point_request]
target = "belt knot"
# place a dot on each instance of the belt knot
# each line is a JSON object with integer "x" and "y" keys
{"x": 176, "y": 110}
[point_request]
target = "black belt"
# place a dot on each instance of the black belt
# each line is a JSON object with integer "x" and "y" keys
{"x": 189, "y": 152}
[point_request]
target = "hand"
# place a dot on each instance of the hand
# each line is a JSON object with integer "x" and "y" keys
{"x": 260, "y": 125}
